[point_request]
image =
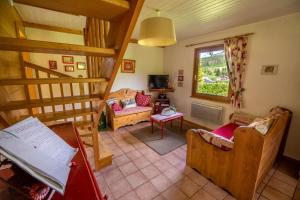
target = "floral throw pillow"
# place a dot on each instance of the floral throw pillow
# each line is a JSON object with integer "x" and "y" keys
{"x": 128, "y": 103}
{"x": 116, "y": 107}
{"x": 142, "y": 99}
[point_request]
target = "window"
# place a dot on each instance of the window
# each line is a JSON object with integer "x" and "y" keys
{"x": 210, "y": 74}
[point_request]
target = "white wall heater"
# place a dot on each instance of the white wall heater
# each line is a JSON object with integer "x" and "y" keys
{"x": 209, "y": 113}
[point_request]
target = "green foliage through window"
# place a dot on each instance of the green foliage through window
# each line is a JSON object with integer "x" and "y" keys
{"x": 212, "y": 77}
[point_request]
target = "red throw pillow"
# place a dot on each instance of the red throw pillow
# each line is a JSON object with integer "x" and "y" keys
{"x": 116, "y": 107}
{"x": 142, "y": 100}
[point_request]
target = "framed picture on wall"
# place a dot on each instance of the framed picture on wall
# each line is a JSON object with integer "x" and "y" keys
{"x": 69, "y": 68}
{"x": 128, "y": 66}
{"x": 52, "y": 64}
{"x": 68, "y": 59}
{"x": 269, "y": 69}
{"x": 81, "y": 65}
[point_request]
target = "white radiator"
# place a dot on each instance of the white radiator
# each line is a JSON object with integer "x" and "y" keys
{"x": 208, "y": 113}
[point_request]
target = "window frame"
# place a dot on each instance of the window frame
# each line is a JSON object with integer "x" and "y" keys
{"x": 195, "y": 94}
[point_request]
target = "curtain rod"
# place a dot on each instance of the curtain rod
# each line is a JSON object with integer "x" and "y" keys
{"x": 195, "y": 44}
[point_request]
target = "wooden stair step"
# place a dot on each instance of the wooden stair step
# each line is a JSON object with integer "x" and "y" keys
{"x": 83, "y": 124}
{"x": 53, "y": 116}
{"x": 34, "y": 81}
{"x": 105, "y": 155}
{"x": 103, "y": 9}
{"x": 24, "y": 45}
{"x": 16, "y": 105}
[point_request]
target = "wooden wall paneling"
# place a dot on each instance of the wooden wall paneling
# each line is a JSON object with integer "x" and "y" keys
{"x": 106, "y": 26}
{"x": 96, "y": 40}
{"x": 99, "y": 44}
{"x": 102, "y": 33}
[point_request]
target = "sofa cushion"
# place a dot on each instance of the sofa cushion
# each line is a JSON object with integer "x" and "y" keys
{"x": 111, "y": 101}
{"x": 142, "y": 99}
{"x": 226, "y": 131}
{"x": 116, "y": 107}
{"x": 134, "y": 110}
{"x": 128, "y": 103}
{"x": 216, "y": 140}
{"x": 262, "y": 125}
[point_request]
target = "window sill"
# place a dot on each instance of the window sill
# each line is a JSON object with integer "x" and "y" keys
{"x": 211, "y": 98}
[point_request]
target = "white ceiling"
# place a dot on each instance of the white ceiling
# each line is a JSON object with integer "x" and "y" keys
{"x": 50, "y": 17}
{"x": 196, "y": 17}
{"x": 191, "y": 17}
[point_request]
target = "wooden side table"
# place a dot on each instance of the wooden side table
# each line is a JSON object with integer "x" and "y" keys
{"x": 162, "y": 120}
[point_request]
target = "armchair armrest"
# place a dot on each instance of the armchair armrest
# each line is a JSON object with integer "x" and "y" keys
{"x": 214, "y": 139}
{"x": 241, "y": 118}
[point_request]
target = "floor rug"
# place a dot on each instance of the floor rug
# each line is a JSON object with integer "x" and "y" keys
{"x": 173, "y": 137}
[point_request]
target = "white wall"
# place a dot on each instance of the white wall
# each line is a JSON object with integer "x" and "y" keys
{"x": 276, "y": 41}
{"x": 52, "y": 36}
{"x": 148, "y": 60}
{"x": 42, "y": 59}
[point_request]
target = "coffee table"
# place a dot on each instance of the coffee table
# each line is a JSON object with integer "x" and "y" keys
{"x": 162, "y": 120}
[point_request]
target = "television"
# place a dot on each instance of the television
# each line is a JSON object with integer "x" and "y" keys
{"x": 158, "y": 81}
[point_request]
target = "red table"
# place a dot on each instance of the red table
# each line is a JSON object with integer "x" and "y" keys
{"x": 162, "y": 120}
{"x": 81, "y": 183}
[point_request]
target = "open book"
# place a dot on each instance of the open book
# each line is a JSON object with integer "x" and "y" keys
{"x": 38, "y": 150}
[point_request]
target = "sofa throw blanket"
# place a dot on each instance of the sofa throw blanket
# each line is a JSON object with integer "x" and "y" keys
{"x": 214, "y": 139}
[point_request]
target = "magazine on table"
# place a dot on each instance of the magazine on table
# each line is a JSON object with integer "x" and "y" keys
{"x": 39, "y": 151}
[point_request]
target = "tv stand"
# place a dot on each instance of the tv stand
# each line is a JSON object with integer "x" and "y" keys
{"x": 162, "y": 90}
{"x": 162, "y": 101}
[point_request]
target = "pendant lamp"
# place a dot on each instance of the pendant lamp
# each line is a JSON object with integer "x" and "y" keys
{"x": 157, "y": 31}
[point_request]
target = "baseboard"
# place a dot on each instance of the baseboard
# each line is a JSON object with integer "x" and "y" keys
{"x": 291, "y": 160}
{"x": 197, "y": 125}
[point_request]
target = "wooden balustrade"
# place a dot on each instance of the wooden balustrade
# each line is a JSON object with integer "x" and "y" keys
{"x": 106, "y": 35}
{"x": 43, "y": 80}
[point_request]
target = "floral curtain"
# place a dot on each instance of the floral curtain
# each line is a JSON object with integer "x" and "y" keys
{"x": 236, "y": 54}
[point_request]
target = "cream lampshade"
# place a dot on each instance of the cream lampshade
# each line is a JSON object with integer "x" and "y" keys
{"x": 157, "y": 31}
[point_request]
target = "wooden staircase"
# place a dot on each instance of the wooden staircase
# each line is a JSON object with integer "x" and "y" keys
{"x": 107, "y": 33}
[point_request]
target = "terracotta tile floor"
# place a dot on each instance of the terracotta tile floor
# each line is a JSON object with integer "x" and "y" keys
{"x": 139, "y": 173}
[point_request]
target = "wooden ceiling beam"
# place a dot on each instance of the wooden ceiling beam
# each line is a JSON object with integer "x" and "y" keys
{"x": 103, "y": 9}
{"x": 52, "y": 28}
{"x": 23, "y": 45}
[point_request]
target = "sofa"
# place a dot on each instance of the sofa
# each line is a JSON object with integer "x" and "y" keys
{"x": 127, "y": 116}
{"x": 238, "y": 155}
